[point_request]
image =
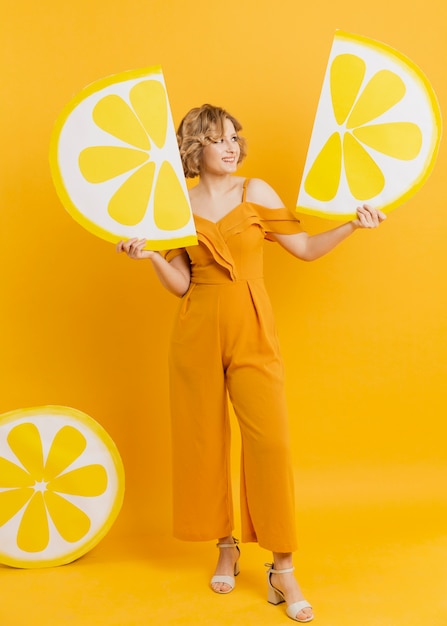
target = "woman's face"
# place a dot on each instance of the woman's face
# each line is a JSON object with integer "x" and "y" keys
{"x": 222, "y": 155}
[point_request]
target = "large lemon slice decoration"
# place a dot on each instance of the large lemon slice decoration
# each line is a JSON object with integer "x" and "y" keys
{"x": 116, "y": 165}
{"x": 376, "y": 131}
{"x": 61, "y": 485}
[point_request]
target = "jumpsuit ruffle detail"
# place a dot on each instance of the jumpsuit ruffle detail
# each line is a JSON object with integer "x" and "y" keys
{"x": 224, "y": 343}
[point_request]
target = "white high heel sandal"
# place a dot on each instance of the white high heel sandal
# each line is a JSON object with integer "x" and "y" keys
{"x": 228, "y": 580}
{"x": 276, "y": 596}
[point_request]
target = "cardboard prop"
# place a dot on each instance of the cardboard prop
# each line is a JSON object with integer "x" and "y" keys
{"x": 61, "y": 485}
{"x": 115, "y": 162}
{"x": 376, "y": 131}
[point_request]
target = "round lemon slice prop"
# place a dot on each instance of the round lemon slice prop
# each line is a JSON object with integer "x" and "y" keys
{"x": 115, "y": 162}
{"x": 61, "y": 485}
{"x": 376, "y": 131}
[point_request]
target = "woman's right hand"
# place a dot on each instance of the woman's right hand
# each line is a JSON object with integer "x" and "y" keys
{"x": 174, "y": 275}
{"x": 134, "y": 249}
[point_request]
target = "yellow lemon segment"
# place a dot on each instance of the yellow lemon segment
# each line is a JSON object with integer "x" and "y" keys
{"x": 11, "y": 475}
{"x": 11, "y": 501}
{"x": 68, "y": 444}
{"x": 129, "y": 204}
{"x": 149, "y": 101}
{"x": 383, "y": 91}
{"x": 101, "y": 163}
{"x": 324, "y": 176}
{"x": 33, "y": 533}
{"x": 171, "y": 210}
{"x": 347, "y": 73}
{"x": 71, "y": 522}
{"x": 108, "y": 155}
{"x": 376, "y": 131}
{"x": 400, "y": 140}
{"x": 61, "y": 485}
{"x": 115, "y": 117}
{"x": 26, "y": 443}
{"x": 357, "y": 161}
{"x": 87, "y": 481}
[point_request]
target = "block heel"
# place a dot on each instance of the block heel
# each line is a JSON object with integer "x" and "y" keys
{"x": 276, "y": 596}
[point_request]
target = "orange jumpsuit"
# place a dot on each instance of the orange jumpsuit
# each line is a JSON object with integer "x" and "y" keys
{"x": 224, "y": 341}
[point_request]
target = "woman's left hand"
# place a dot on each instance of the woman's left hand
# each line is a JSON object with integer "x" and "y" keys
{"x": 367, "y": 217}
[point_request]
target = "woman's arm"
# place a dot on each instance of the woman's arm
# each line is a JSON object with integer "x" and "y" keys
{"x": 175, "y": 275}
{"x": 310, "y": 247}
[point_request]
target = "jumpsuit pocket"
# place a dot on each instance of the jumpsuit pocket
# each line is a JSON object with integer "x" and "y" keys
{"x": 184, "y": 323}
{"x": 184, "y": 305}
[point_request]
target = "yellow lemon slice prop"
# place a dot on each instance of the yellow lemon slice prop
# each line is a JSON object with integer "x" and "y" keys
{"x": 376, "y": 131}
{"x": 115, "y": 162}
{"x": 61, "y": 485}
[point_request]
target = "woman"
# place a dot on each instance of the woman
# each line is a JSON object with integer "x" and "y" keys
{"x": 224, "y": 340}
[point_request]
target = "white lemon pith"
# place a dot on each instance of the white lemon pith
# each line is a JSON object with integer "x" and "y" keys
{"x": 61, "y": 485}
{"x": 115, "y": 162}
{"x": 376, "y": 131}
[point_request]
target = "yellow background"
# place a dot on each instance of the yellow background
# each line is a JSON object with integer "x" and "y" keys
{"x": 363, "y": 331}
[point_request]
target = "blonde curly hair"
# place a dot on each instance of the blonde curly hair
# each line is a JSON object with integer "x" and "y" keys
{"x": 200, "y": 127}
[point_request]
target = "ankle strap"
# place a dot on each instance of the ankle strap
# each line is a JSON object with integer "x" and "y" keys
{"x": 228, "y": 545}
{"x": 278, "y": 571}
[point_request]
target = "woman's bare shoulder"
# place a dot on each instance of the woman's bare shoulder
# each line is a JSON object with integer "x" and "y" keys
{"x": 260, "y": 192}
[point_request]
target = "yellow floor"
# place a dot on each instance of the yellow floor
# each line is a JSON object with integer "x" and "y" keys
{"x": 373, "y": 553}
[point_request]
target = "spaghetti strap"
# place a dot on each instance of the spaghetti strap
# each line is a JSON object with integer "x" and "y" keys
{"x": 244, "y": 189}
